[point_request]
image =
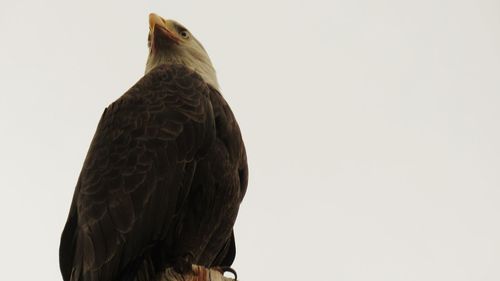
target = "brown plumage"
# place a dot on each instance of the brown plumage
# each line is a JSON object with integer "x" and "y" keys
{"x": 161, "y": 184}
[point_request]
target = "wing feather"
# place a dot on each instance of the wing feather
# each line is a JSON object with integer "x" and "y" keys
{"x": 137, "y": 173}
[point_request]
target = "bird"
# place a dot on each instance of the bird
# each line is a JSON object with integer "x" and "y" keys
{"x": 165, "y": 173}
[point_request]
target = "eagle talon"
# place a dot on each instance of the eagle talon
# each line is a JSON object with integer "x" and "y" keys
{"x": 225, "y": 269}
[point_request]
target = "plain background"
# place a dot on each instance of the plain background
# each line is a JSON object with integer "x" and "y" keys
{"x": 372, "y": 129}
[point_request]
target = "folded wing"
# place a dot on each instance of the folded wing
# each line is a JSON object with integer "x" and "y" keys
{"x": 137, "y": 173}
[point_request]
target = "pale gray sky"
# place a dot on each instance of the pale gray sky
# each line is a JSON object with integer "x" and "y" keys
{"x": 372, "y": 129}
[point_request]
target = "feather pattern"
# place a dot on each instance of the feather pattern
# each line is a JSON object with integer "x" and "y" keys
{"x": 161, "y": 183}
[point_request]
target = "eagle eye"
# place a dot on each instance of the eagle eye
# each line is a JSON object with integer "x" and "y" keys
{"x": 184, "y": 34}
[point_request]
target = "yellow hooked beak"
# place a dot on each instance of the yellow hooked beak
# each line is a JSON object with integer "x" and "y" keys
{"x": 162, "y": 30}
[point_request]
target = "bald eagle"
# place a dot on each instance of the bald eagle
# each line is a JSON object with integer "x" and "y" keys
{"x": 165, "y": 173}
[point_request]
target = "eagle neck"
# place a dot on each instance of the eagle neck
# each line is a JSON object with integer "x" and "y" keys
{"x": 205, "y": 70}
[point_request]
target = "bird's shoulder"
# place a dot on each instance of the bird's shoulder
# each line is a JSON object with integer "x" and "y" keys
{"x": 165, "y": 87}
{"x": 145, "y": 139}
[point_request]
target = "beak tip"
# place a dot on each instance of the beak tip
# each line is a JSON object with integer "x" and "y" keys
{"x": 153, "y": 20}
{"x": 163, "y": 27}
{"x": 152, "y": 16}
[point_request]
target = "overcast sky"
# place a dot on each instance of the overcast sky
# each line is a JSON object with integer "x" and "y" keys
{"x": 372, "y": 129}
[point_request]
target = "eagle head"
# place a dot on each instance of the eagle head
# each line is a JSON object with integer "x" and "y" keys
{"x": 170, "y": 42}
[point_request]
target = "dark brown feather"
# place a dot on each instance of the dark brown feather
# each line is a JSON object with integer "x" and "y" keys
{"x": 162, "y": 182}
